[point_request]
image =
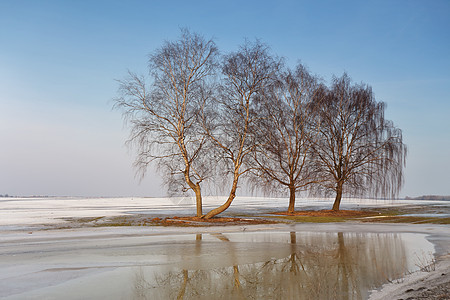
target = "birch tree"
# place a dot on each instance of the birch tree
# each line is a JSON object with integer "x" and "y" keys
{"x": 285, "y": 132}
{"x": 245, "y": 74}
{"x": 358, "y": 151}
{"x": 163, "y": 112}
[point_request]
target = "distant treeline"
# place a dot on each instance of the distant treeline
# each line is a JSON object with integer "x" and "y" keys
{"x": 23, "y": 196}
{"x": 429, "y": 197}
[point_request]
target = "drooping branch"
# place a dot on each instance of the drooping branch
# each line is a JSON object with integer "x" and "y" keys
{"x": 358, "y": 151}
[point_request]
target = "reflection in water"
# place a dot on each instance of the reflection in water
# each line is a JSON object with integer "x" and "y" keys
{"x": 317, "y": 266}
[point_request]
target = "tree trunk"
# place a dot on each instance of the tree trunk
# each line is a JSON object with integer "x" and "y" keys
{"x": 237, "y": 283}
{"x": 343, "y": 266}
{"x": 221, "y": 208}
{"x": 293, "y": 235}
{"x": 227, "y": 203}
{"x": 198, "y": 200}
{"x": 184, "y": 285}
{"x": 197, "y": 190}
{"x": 337, "y": 201}
{"x": 291, "y": 208}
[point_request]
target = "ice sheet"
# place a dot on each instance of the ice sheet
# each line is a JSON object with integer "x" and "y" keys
{"x": 23, "y": 213}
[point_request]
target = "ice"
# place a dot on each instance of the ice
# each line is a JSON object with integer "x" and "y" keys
{"x": 27, "y": 213}
{"x": 117, "y": 262}
{"x": 107, "y": 262}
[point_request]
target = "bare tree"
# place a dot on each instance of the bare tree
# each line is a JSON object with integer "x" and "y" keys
{"x": 246, "y": 73}
{"x": 358, "y": 151}
{"x": 164, "y": 115}
{"x": 285, "y": 131}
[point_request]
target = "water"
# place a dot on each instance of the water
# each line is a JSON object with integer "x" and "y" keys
{"x": 425, "y": 215}
{"x": 235, "y": 265}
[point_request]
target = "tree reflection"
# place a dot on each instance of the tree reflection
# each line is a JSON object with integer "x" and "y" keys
{"x": 319, "y": 266}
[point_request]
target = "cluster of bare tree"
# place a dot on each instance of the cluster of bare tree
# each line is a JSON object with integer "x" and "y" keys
{"x": 205, "y": 117}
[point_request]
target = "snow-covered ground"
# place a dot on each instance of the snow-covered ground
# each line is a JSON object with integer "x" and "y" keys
{"x": 21, "y": 213}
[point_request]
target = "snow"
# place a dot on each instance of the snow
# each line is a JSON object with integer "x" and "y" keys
{"x": 21, "y": 213}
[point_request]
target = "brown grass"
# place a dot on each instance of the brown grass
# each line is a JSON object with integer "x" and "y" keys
{"x": 197, "y": 221}
{"x": 366, "y": 215}
{"x": 328, "y": 213}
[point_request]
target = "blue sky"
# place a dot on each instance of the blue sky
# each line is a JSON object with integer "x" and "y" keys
{"x": 59, "y": 61}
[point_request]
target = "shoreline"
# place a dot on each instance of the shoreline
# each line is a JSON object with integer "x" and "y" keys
{"x": 433, "y": 284}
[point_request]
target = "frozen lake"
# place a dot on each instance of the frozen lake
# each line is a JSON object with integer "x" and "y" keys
{"x": 32, "y": 213}
{"x": 278, "y": 261}
{"x": 266, "y": 262}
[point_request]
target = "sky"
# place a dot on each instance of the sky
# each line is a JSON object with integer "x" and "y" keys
{"x": 59, "y": 62}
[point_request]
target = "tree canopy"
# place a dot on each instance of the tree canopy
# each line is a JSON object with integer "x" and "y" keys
{"x": 357, "y": 151}
{"x": 205, "y": 117}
